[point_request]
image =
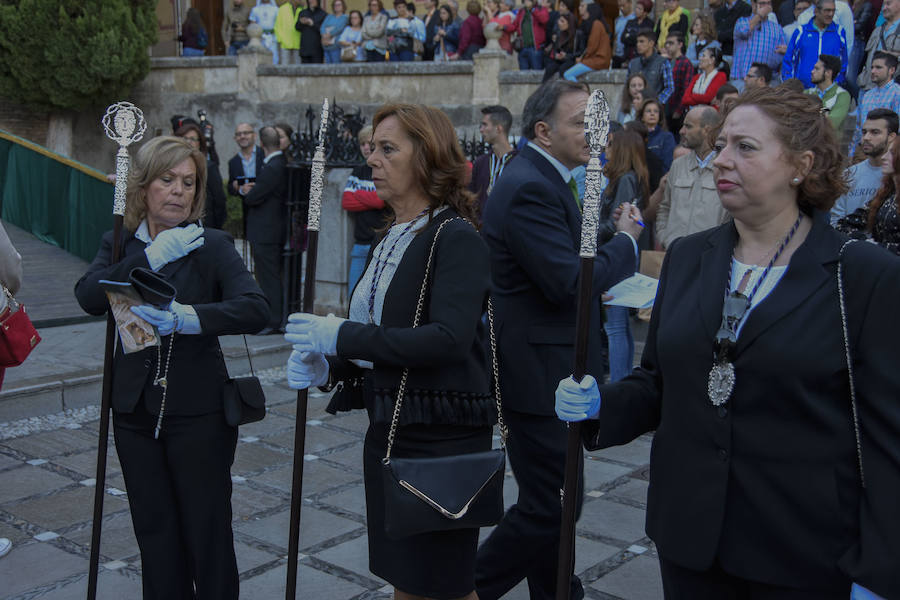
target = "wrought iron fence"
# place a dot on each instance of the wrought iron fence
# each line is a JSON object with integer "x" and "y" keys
{"x": 341, "y": 145}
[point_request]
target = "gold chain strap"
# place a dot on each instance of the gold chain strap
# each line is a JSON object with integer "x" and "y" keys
{"x": 401, "y": 391}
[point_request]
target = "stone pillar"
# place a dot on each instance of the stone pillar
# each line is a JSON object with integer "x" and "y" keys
{"x": 335, "y": 241}
{"x": 250, "y": 57}
{"x": 486, "y": 75}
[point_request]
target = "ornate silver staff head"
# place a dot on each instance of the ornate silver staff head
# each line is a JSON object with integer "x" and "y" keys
{"x": 596, "y": 130}
{"x": 124, "y": 124}
{"x": 317, "y": 177}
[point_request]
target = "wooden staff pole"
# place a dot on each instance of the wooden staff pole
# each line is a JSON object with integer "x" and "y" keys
{"x": 316, "y": 185}
{"x": 596, "y": 129}
{"x": 124, "y": 124}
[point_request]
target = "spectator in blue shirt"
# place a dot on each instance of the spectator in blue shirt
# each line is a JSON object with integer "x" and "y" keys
{"x": 819, "y": 36}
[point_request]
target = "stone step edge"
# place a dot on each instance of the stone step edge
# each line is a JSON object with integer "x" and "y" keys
{"x": 232, "y": 356}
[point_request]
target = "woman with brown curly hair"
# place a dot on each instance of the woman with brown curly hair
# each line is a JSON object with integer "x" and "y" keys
{"x": 771, "y": 476}
{"x": 878, "y": 220}
{"x": 420, "y": 172}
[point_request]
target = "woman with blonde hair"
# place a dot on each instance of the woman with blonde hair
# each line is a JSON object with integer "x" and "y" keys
{"x": 172, "y": 440}
{"x": 447, "y": 409}
{"x": 703, "y": 35}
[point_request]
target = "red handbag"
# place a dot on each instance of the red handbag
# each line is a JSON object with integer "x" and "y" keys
{"x": 18, "y": 337}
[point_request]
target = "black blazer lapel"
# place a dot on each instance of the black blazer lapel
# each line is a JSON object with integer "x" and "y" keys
{"x": 805, "y": 274}
{"x": 549, "y": 172}
{"x": 714, "y": 265}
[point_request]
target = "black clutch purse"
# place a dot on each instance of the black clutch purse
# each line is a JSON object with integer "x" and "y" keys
{"x": 461, "y": 491}
{"x": 243, "y": 398}
{"x": 152, "y": 287}
{"x": 447, "y": 492}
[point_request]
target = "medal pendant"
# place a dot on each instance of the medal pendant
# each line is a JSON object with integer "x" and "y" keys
{"x": 721, "y": 382}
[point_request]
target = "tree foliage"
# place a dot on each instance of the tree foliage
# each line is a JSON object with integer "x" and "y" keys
{"x": 71, "y": 54}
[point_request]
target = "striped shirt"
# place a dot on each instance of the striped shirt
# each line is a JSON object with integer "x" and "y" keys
{"x": 756, "y": 46}
{"x": 886, "y": 96}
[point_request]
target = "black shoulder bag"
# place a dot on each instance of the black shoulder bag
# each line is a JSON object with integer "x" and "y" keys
{"x": 461, "y": 491}
{"x": 244, "y": 400}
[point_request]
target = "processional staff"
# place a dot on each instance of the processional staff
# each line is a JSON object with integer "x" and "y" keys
{"x": 596, "y": 130}
{"x": 124, "y": 124}
{"x": 316, "y": 185}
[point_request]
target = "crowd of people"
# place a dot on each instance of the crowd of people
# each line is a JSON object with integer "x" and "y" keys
{"x": 765, "y": 373}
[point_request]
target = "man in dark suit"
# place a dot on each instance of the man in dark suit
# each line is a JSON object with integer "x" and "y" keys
{"x": 264, "y": 207}
{"x": 532, "y": 225}
{"x": 246, "y": 163}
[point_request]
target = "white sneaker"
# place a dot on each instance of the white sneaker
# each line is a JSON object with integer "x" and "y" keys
{"x": 5, "y": 547}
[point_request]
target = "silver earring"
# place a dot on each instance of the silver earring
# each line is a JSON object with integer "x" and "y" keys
{"x": 795, "y": 181}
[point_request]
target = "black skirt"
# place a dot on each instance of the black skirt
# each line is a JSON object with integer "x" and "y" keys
{"x": 438, "y": 565}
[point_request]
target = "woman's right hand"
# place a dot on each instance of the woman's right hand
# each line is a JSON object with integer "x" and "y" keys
{"x": 306, "y": 370}
{"x": 172, "y": 244}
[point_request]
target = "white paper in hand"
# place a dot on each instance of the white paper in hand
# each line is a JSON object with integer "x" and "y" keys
{"x": 638, "y": 291}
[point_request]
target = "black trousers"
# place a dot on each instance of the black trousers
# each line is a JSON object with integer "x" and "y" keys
{"x": 179, "y": 491}
{"x": 680, "y": 583}
{"x": 268, "y": 261}
{"x": 526, "y": 542}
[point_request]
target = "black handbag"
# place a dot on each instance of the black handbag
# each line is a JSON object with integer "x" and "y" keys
{"x": 461, "y": 491}
{"x": 243, "y": 398}
{"x": 152, "y": 287}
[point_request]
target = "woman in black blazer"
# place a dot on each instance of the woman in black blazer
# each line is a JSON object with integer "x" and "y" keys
{"x": 756, "y": 489}
{"x": 419, "y": 171}
{"x": 172, "y": 440}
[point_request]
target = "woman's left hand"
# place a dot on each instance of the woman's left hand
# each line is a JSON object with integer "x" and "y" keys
{"x": 179, "y": 318}
{"x": 312, "y": 333}
{"x": 577, "y": 401}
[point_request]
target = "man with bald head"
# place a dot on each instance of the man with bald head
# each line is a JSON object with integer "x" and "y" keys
{"x": 690, "y": 201}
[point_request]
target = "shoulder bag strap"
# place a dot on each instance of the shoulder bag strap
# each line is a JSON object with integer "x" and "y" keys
{"x": 401, "y": 390}
{"x": 846, "y": 333}
{"x": 249, "y": 360}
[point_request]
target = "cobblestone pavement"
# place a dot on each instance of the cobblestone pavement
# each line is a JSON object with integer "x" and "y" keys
{"x": 46, "y": 490}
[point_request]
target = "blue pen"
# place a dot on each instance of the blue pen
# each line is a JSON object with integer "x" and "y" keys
{"x": 638, "y": 221}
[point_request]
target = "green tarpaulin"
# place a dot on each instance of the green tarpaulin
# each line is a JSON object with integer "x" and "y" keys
{"x": 60, "y": 201}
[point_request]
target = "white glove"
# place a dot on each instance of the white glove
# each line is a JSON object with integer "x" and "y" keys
{"x": 311, "y": 333}
{"x": 179, "y": 317}
{"x": 306, "y": 370}
{"x": 577, "y": 401}
{"x": 172, "y": 244}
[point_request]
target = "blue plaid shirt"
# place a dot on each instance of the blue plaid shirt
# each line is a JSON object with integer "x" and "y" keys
{"x": 756, "y": 46}
{"x": 886, "y": 96}
{"x": 668, "y": 83}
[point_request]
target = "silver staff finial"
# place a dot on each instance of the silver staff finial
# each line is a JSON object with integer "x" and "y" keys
{"x": 596, "y": 122}
{"x": 323, "y": 122}
{"x": 317, "y": 177}
{"x": 596, "y": 130}
{"x": 124, "y": 124}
